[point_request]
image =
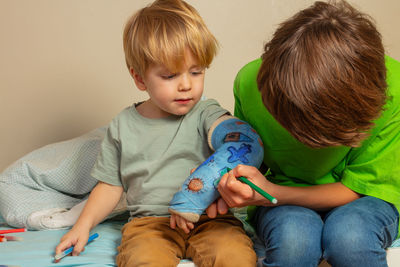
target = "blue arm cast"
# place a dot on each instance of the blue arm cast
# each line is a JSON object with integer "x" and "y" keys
{"x": 234, "y": 142}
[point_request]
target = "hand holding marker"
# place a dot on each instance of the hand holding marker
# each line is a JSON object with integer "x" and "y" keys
{"x": 61, "y": 255}
{"x": 253, "y": 186}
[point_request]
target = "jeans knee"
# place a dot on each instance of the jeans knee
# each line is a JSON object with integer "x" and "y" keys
{"x": 344, "y": 233}
{"x": 294, "y": 244}
{"x": 352, "y": 248}
{"x": 294, "y": 251}
{"x": 354, "y": 235}
{"x": 289, "y": 233}
{"x": 337, "y": 242}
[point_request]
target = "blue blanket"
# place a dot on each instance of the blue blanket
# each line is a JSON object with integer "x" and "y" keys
{"x": 37, "y": 248}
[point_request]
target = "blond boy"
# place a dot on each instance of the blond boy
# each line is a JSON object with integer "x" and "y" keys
{"x": 150, "y": 147}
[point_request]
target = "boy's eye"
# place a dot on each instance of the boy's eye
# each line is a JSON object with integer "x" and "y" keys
{"x": 168, "y": 76}
{"x": 197, "y": 72}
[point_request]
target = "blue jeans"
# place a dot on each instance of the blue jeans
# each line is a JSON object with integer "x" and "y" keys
{"x": 355, "y": 234}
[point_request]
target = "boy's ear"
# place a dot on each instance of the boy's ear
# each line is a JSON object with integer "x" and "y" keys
{"x": 138, "y": 80}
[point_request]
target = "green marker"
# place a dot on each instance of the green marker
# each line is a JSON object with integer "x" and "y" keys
{"x": 253, "y": 186}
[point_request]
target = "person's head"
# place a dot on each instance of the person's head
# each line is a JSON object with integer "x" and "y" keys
{"x": 323, "y": 75}
{"x": 168, "y": 46}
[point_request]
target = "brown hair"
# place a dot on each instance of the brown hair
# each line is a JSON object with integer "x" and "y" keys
{"x": 160, "y": 32}
{"x": 323, "y": 75}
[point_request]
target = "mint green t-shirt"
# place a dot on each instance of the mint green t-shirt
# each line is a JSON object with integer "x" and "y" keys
{"x": 372, "y": 169}
{"x": 151, "y": 158}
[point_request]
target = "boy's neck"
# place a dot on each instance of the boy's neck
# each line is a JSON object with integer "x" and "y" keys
{"x": 147, "y": 110}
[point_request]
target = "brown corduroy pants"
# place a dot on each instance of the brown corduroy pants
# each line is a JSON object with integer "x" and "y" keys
{"x": 149, "y": 241}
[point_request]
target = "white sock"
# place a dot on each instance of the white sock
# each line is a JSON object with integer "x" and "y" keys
{"x": 34, "y": 220}
{"x": 56, "y": 218}
{"x": 63, "y": 219}
{"x": 60, "y": 218}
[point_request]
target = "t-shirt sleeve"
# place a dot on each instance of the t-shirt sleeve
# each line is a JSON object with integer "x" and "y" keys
{"x": 210, "y": 112}
{"x": 376, "y": 170}
{"x": 107, "y": 167}
{"x": 236, "y": 92}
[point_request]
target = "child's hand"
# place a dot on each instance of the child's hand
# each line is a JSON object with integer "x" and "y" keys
{"x": 182, "y": 223}
{"x": 76, "y": 238}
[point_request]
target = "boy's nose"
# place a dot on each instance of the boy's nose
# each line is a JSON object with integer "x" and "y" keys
{"x": 185, "y": 83}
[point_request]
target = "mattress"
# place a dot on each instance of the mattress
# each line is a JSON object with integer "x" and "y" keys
{"x": 37, "y": 248}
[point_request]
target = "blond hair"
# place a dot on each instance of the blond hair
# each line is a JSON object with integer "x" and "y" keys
{"x": 160, "y": 33}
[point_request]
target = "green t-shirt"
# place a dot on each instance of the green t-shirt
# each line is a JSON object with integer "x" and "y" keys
{"x": 151, "y": 158}
{"x": 372, "y": 169}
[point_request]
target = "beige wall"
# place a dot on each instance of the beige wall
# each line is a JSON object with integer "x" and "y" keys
{"x": 62, "y": 69}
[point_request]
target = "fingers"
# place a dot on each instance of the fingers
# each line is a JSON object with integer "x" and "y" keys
{"x": 63, "y": 246}
{"x": 72, "y": 239}
{"x": 185, "y": 225}
{"x": 247, "y": 171}
{"x": 182, "y": 223}
{"x": 222, "y": 207}
{"x": 172, "y": 221}
{"x": 212, "y": 210}
{"x": 217, "y": 207}
{"x": 234, "y": 192}
{"x": 79, "y": 247}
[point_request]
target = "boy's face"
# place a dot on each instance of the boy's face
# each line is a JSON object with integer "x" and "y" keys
{"x": 173, "y": 93}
